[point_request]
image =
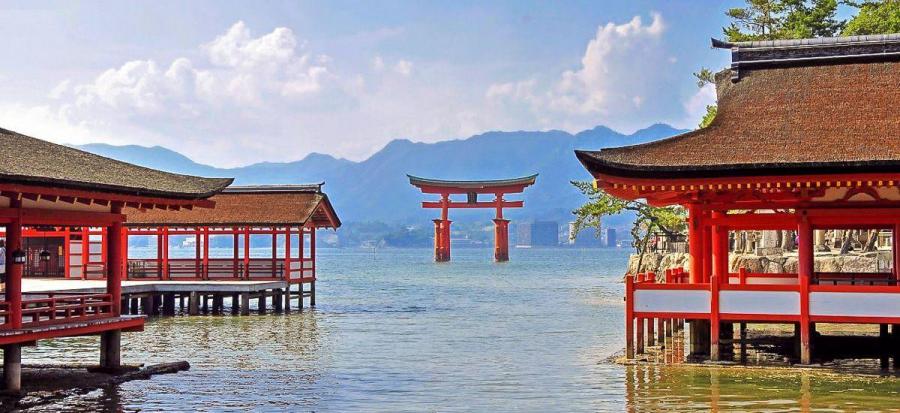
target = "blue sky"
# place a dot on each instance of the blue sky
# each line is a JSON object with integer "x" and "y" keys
{"x": 231, "y": 83}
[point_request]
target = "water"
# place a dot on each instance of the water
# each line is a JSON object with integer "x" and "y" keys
{"x": 395, "y": 332}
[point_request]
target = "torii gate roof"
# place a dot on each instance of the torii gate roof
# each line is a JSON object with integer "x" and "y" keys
{"x": 510, "y": 185}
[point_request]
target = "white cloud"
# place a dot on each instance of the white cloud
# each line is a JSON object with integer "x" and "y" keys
{"x": 242, "y": 89}
{"x": 378, "y": 63}
{"x": 695, "y": 106}
{"x": 403, "y": 67}
{"x": 619, "y": 82}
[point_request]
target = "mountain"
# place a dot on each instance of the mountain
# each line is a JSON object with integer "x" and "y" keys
{"x": 377, "y": 189}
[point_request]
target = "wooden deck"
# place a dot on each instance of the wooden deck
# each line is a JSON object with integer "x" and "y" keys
{"x": 74, "y": 328}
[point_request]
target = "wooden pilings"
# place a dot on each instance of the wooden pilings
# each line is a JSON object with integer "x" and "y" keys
{"x": 212, "y": 298}
{"x": 111, "y": 349}
{"x": 12, "y": 367}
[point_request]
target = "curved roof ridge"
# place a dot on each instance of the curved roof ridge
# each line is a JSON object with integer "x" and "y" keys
{"x": 524, "y": 180}
{"x": 817, "y": 41}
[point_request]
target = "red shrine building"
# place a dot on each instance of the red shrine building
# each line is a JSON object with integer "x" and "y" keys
{"x": 48, "y": 186}
{"x": 286, "y": 217}
{"x": 807, "y": 138}
{"x": 472, "y": 189}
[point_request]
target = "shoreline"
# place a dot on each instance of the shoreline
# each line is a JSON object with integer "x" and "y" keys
{"x": 49, "y": 383}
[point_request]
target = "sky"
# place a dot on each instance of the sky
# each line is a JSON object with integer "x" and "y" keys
{"x": 233, "y": 83}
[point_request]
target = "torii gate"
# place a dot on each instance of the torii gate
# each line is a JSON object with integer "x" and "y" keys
{"x": 498, "y": 188}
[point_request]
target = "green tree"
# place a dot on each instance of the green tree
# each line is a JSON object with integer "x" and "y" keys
{"x": 648, "y": 220}
{"x": 783, "y": 19}
{"x": 874, "y": 17}
{"x": 711, "y": 111}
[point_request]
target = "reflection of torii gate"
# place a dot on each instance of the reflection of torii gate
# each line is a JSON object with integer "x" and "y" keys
{"x": 472, "y": 188}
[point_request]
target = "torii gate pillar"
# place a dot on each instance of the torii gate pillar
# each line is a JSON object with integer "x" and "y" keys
{"x": 501, "y": 240}
{"x": 442, "y": 240}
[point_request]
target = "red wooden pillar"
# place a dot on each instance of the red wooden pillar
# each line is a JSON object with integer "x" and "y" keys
{"x": 159, "y": 253}
{"x": 714, "y": 323}
{"x": 695, "y": 242}
{"x": 445, "y": 227}
{"x": 67, "y": 239}
{"x": 707, "y": 248}
{"x": 198, "y": 272}
{"x": 629, "y": 316}
{"x": 85, "y": 251}
{"x": 12, "y": 354}
{"x": 247, "y": 253}
{"x": 274, "y": 251}
{"x": 896, "y": 246}
{"x": 312, "y": 248}
{"x": 445, "y": 230}
{"x": 501, "y": 240}
{"x": 720, "y": 249}
{"x": 165, "y": 253}
{"x": 205, "y": 253}
{"x": 125, "y": 275}
{"x": 438, "y": 238}
{"x": 805, "y": 266}
{"x": 14, "y": 271}
{"x": 115, "y": 261}
{"x": 235, "y": 247}
{"x": 287, "y": 254}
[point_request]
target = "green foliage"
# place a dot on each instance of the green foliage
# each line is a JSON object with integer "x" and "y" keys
{"x": 711, "y": 111}
{"x": 650, "y": 219}
{"x": 704, "y": 77}
{"x": 783, "y": 19}
{"x": 874, "y": 17}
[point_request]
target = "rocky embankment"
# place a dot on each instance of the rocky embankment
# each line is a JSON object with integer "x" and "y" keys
{"x": 781, "y": 263}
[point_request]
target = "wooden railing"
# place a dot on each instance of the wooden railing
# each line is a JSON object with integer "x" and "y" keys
{"x": 59, "y": 308}
{"x": 222, "y": 269}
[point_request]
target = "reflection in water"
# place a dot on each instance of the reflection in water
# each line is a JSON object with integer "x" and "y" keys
{"x": 687, "y": 388}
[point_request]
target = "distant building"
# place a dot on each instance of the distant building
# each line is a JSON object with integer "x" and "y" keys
{"x": 611, "y": 238}
{"x": 537, "y": 234}
{"x": 523, "y": 234}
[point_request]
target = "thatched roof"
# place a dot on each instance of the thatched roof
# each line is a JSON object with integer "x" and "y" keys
{"x": 268, "y": 205}
{"x": 797, "y": 118}
{"x": 31, "y": 161}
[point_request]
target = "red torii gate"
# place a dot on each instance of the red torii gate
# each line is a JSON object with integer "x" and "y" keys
{"x": 498, "y": 188}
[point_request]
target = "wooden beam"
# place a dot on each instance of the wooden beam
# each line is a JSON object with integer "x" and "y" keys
{"x": 87, "y": 197}
{"x": 485, "y": 204}
{"x": 61, "y": 217}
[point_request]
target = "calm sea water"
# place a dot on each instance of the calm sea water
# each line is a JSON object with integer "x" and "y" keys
{"x": 394, "y": 331}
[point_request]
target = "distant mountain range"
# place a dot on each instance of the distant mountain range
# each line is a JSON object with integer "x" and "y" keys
{"x": 377, "y": 189}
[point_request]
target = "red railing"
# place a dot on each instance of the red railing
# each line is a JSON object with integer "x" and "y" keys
{"x": 224, "y": 269}
{"x": 60, "y": 308}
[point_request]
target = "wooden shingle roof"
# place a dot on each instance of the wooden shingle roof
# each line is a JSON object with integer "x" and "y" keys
{"x": 267, "y": 205}
{"x": 799, "y": 117}
{"x": 31, "y": 161}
